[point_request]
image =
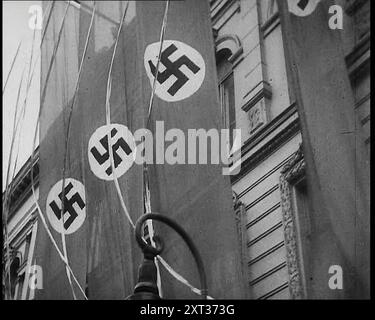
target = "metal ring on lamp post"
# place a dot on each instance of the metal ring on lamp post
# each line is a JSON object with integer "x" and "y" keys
{"x": 150, "y": 252}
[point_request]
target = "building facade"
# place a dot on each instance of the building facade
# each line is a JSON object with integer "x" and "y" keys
{"x": 270, "y": 196}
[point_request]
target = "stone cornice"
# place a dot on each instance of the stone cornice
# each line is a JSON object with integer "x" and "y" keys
{"x": 219, "y": 8}
{"x": 260, "y": 91}
{"x": 20, "y": 187}
{"x": 272, "y": 145}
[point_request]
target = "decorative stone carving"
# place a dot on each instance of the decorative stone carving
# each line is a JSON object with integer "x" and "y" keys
{"x": 292, "y": 171}
{"x": 236, "y": 201}
{"x": 238, "y": 210}
{"x": 257, "y": 116}
{"x": 256, "y": 106}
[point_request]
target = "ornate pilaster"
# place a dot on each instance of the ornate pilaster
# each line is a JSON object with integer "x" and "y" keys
{"x": 291, "y": 172}
{"x": 238, "y": 207}
{"x": 240, "y": 214}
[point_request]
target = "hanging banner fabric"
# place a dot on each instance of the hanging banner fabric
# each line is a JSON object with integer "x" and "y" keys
{"x": 196, "y": 196}
{"x": 113, "y": 255}
{"x": 100, "y": 241}
{"x": 334, "y": 149}
{"x": 59, "y": 92}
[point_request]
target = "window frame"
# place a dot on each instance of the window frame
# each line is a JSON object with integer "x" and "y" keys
{"x": 24, "y": 234}
{"x": 227, "y": 108}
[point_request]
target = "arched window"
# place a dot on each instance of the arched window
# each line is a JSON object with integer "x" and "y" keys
{"x": 226, "y": 93}
{"x": 228, "y": 49}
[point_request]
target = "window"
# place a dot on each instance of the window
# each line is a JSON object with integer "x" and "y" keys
{"x": 14, "y": 276}
{"x": 17, "y": 277}
{"x": 20, "y": 256}
{"x": 226, "y": 93}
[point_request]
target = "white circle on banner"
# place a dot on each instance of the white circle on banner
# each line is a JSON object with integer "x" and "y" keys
{"x": 302, "y": 8}
{"x": 181, "y": 69}
{"x": 74, "y": 206}
{"x": 123, "y": 151}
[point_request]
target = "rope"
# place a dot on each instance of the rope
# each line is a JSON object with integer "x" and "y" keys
{"x": 11, "y": 66}
{"x": 161, "y": 40}
{"x": 43, "y": 95}
{"x": 47, "y": 22}
{"x": 145, "y": 168}
{"x": 180, "y": 278}
{"x": 108, "y": 118}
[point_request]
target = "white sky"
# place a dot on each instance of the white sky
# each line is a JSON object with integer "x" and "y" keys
{"x": 15, "y": 29}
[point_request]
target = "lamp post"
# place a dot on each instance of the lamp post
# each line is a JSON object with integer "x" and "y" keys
{"x": 146, "y": 288}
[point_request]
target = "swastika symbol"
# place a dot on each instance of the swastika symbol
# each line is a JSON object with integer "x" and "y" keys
{"x": 102, "y": 158}
{"x": 303, "y": 4}
{"x": 173, "y": 68}
{"x": 302, "y": 8}
{"x": 68, "y": 205}
{"x": 123, "y": 149}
